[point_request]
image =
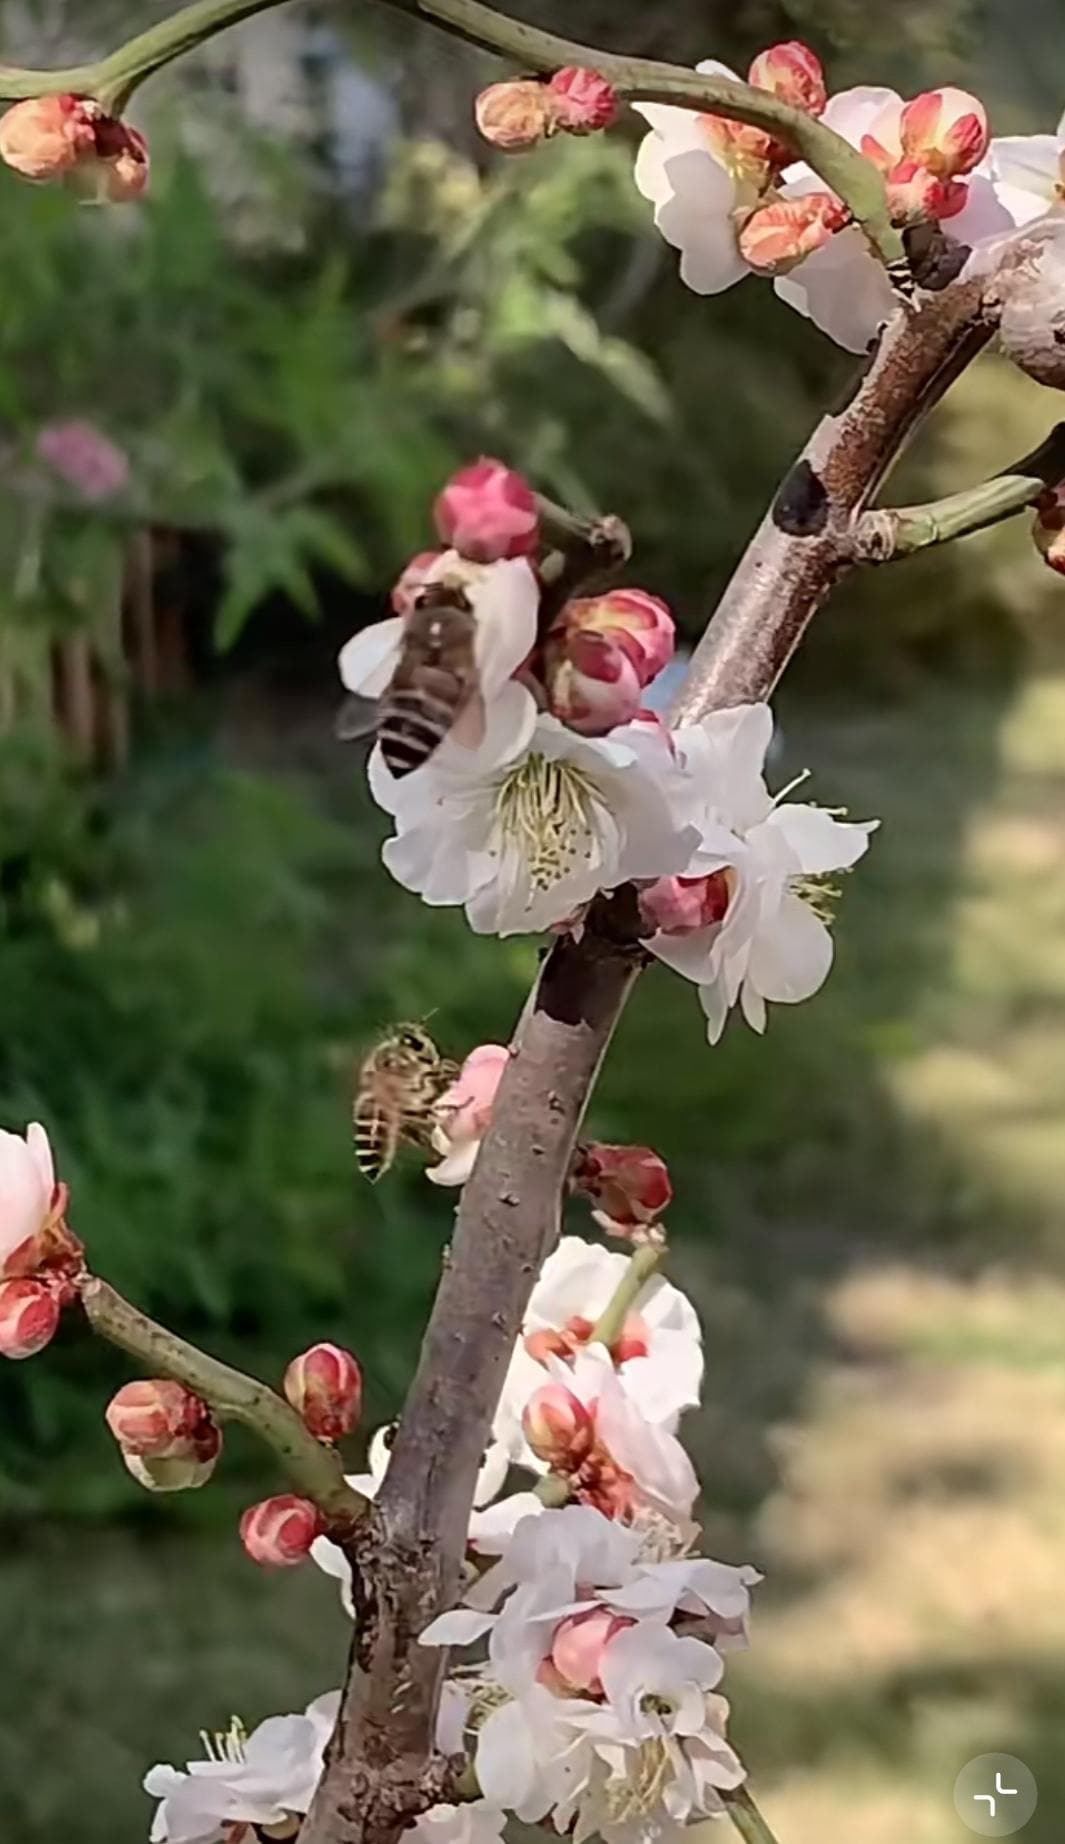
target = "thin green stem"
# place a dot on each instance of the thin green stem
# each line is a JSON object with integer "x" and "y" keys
{"x": 898, "y": 531}
{"x": 315, "y": 1469}
{"x": 114, "y": 79}
{"x": 642, "y": 1264}
{"x": 747, "y": 1819}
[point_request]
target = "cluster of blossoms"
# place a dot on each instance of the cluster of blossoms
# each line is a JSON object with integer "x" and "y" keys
{"x": 41, "y": 1260}
{"x": 575, "y": 788}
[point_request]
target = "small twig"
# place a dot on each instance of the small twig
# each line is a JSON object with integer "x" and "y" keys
{"x": 857, "y": 182}
{"x": 232, "y": 1396}
{"x": 641, "y": 1266}
{"x": 746, "y": 1817}
{"x": 898, "y": 531}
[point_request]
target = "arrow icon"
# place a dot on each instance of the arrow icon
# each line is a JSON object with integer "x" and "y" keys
{"x": 988, "y": 1799}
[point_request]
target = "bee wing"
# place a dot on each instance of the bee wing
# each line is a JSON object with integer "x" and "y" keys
{"x": 357, "y": 717}
{"x": 469, "y": 726}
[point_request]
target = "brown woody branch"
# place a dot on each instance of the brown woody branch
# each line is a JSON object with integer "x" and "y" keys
{"x": 409, "y": 1558}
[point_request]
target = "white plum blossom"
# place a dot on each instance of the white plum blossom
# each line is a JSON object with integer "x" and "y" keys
{"x": 772, "y": 944}
{"x": 27, "y": 1191}
{"x": 265, "y": 1778}
{"x": 331, "y": 1559}
{"x": 1028, "y": 173}
{"x": 504, "y": 597}
{"x": 528, "y": 827}
{"x": 696, "y": 199}
{"x": 659, "y": 1356}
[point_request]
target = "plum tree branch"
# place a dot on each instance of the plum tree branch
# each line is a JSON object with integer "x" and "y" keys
{"x": 508, "y": 1219}
{"x": 898, "y": 531}
{"x": 314, "y": 1469}
{"x": 113, "y": 80}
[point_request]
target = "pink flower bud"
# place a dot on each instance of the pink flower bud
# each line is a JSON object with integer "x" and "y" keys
{"x": 176, "y": 1473}
{"x": 914, "y": 191}
{"x": 629, "y": 1185}
{"x": 578, "y": 1646}
{"x": 634, "y": 619}
{"x": 793, "y": 72}
{"x": 683, "y": 905}
{"x": 1048, "y": 530}
{"x": 73, "y": 139}
{"x": 48, "y": 136}
{"x": 558, "y": 1427}
{"x": 29, "y": 1315}
{"x": 464, "y": 1111}
{"x": 584, "y": 101}
{"x": 486, "y": 512}
{"x": 159, "y": 1419}
{"x": 279, "y": 1532}
{"x": 412, "y": 580}
{"x": 85, "y": 459}
{"x": 324, "y": 1386}
{"x": 592, "y": 684}
{"x": 945, "y": 130}
{"x": 515, "y": 115}
{"x": 775, "y": 237}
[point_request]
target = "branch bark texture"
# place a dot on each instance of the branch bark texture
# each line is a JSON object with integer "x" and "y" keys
{"x": 408, "y": 1555}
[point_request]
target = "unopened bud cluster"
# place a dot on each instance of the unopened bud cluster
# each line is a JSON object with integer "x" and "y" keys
{"x": 166, "y": 1434}
{"x": 601, "y": 654}
{"x": 73, "y": 140}
{"x": 926, "y": 152}
{"x": 518, "y": 114}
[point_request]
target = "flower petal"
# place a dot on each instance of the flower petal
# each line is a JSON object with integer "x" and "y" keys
{"x": 368, "y": 660}
{"x": 790, "y": 957}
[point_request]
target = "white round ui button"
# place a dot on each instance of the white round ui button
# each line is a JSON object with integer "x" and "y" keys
{"x": 995, "y": 1794}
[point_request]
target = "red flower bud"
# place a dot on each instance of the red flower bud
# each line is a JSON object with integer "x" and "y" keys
{"x": 915, "y": 192}
{"x": 794, "y": 73}
{"x": 584, "y": 101}
{"x": 946, "y": 131}
{"x": 558, "y": 1427}
{"x": 775, "y": 237}
{"x": 683, "y": 905}
{"x": 633, "y": 619}
{"x": 278, "y": 1532}
{"x": 628, "y": 1184}
{"x": 486, "y": 512}
{"x": 592, "y": 684}
{"x": 324, "y": 1385}
{"x": 159, "y": 1419}
{"x": 515, "y": 115}
{"x": 29, "y": 1315}
{"x": 73, "y": 139}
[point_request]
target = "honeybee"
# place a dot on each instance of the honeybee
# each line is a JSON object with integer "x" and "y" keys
{"x": 398, "y": 1084}
{"x": 434, "y": 691}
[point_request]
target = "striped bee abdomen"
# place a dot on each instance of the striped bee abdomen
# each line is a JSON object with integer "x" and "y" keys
{"x": 414, "y": 722}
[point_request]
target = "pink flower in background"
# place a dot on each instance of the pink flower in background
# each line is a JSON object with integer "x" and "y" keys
{"x": 85, "y": 459}
{"x": 72, "y": 139}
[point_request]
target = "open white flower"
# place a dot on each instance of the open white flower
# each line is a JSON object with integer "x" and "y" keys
{"x": 266, "y": 1778}
{"x": 655, "y": 1755}
{"x": 331, "y": 1559}
{"x": 659, "y": 1356}
{"x": 680, "y": 169}
{"x": 27, "y": 1191}
{"x": 771, "y": 945}
{"x": 527, "y": 828}
{"x": 504, "y": 597}
{"x": 842, "y": 287}
{"x": 1028, "y": 173}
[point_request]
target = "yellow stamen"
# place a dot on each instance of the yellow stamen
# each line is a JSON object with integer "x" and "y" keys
{"x": 544, "y": 808}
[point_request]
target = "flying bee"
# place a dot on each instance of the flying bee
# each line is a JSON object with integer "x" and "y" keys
{"x": 435, "y": 689}
{"x": 398, "y": 1084}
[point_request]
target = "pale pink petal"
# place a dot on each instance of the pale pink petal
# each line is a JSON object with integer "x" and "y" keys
{"x": 460, "y": 1627}
{"x": 41, "y": 1154}
{"x": 368, "y": 660}
{"x": 842, "y": 289}
{"x": 790, "y": 958}
{"x": 984, "y": 214}
{"x": 817, "y": 841}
